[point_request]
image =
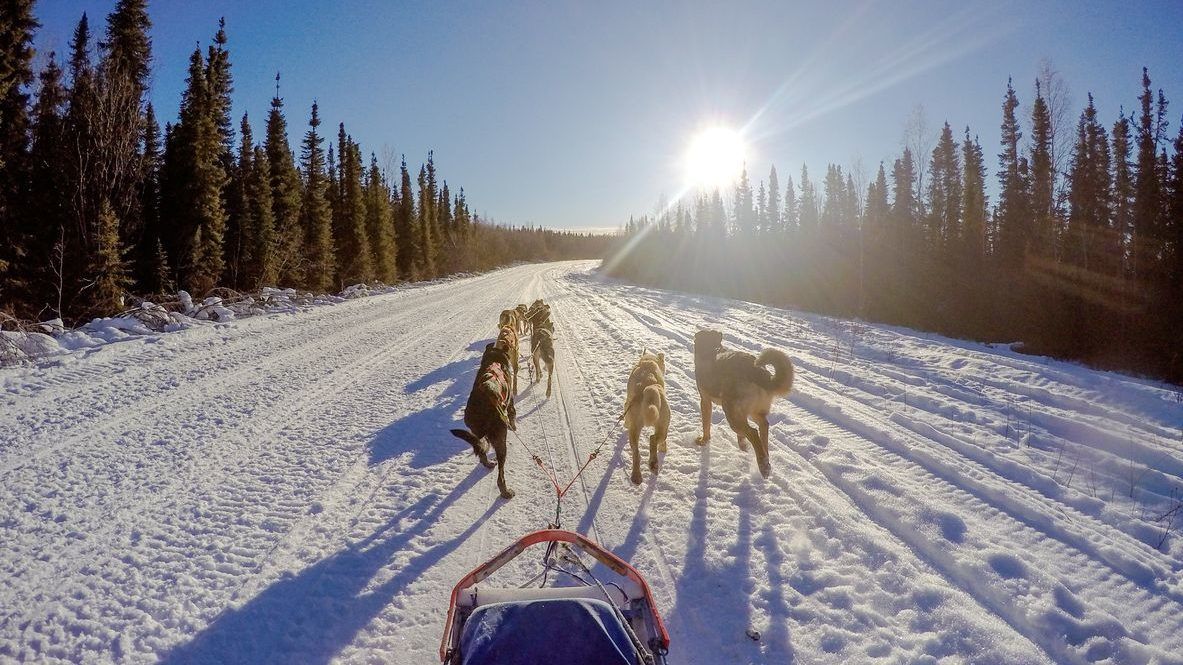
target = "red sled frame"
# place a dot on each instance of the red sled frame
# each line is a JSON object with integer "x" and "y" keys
{"x": 585, "y": 544}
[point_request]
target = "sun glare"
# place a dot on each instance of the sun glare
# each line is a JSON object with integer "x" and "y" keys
{"x": 715, "y": 158}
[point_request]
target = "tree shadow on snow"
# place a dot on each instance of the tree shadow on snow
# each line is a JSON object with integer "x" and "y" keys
{"x": 310, "y": 617}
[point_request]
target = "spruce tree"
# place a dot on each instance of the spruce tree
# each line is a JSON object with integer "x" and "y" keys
{"x": 973, "y": 205}
{"x": 109, "y": 279}
{"x": 287, "y": 257}
{"x": 1147, "y": 187}
{"x": 807, "y": 213}
{"x": 1123, "y": 190}
{"x": 425, "y": 261}
{"x": 944, "y": 192}
{"x": 151, "y": 253}
{"x": 775, "y": 218}
{"x": 240, "y": 224}
{"x": 315, "y": 216}
{"x": 791, "y": 217}
{"x": 17, "y": 26}
{"x": 1042, "y": 203}
{"x": 129, "y": 45}
{"x": 904, "y": 207}
{"x": 1089, "y": 194}
{"x": 744, "y": 215}
{"x": 221, "y": 84}
{"x": 404, "y": 225}
{"x": 353, "y": 247}
{"x": 1012, "y": 211}
{"x": 380, "y": 224}
{"x": 263, "y": 270}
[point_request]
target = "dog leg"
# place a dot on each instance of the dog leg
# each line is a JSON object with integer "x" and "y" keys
{"x": 743, "y": 429}
{"x": 704, "y": 405}
{"x": 500, "y": 448}
{"x": 550, "y": 370}
{"x": 762, "y": 448}
{"x": 634, "y": 433}
{"x": 656, "y": 443}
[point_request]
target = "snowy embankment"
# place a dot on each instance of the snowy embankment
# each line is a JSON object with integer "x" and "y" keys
{"x": 283, "y": 489}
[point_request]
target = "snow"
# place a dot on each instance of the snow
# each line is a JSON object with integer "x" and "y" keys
{"x": 281, "y": 487}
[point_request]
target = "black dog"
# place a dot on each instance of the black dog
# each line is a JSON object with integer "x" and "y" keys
{"x": 490, "y": 412}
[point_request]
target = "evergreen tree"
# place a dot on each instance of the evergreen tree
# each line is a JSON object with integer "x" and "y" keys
{"x": 973, "y": 202}
{"x": 221, "y": 85}
{"x": 944, "y": 192}
{"x": 315, "y": 216}
{"x": 1089, "y": 192}
{"x": 109, "y": 273}
{"x": 1012, "y": 211}
{"x": 1123, "y": 189}
{"x": 153, "y": 258}
{"x": 775, "y": 221}
{"x": 1042, "y": 203}
{"x": 129, "y": 45}
{"x": 791, "y": 216}
{"x": 240, "y": 225}
{"x": 200, "y": 165}
{"x": 353, "y": 247}
{"x": 17, "y": 26}
{"x": 834, "y": 203}
{"x": 287, "y": 257}
{"x": 263, "y": 269}
{"x": 744, "y": 219}
{"x": 1147, "y": 187}
{"x": 904, "y": 207}
{"x": 425, "y": 243}
{"x": 380, "y": 223}
{"x": 404, "y": 226}
{"x": 1174, "y": 230}
{"x": 433, "y": 217}
{"x": 807, "y": 213}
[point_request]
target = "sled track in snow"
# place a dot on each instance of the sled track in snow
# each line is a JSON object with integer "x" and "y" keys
{"x": 283, "y": 488}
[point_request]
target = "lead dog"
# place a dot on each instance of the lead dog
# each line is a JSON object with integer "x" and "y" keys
{"x": 646, "y": 406}
{"x": 490, "y": 412}
{"x": 507, "y": 338}
{"x": 740, "y": 383}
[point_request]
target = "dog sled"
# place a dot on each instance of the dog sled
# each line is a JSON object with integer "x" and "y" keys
{"x": 585, "y": 622}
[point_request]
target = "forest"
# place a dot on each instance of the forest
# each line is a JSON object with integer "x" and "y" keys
{"x": 1078, "y": 255}
{"x": 100, "y": 205}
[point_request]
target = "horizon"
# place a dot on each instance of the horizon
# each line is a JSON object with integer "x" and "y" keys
{"x": 584, "y": 139}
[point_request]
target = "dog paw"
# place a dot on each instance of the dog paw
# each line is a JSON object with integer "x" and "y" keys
{"x": 488, "y": 464}
{"x": 653, "y": 465}
{"x": 765, "y": 469}
{"x": 701, "y": 440}
{"x": 636, "y": 477}
{"x": 507, "y": 493}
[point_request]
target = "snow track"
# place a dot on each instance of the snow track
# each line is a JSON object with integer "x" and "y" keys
{"x": 283, "y": 489}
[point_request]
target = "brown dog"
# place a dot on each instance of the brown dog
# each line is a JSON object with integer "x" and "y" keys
{"x": 490, "y": 412}
{"x": 507, "y": 339}
{"x": 739, "y": 383}
{"x": 508, "y": 317}
{"x": 646, "y": 406}
{"x": 523, "y": 323}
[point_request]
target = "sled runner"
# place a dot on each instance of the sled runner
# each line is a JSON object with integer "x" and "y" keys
{"x": 613, "y": 623}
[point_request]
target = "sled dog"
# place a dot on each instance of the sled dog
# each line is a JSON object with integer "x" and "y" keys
{"x": 507, "y": 339}
{"x": 646, "y": 406}
{"x": 542, "y": 352}
{"x": 740, "y": 383}
{"x": 490, "y": 412}
{"x": 523, "y": 328}
{"x": 508, "y": 317}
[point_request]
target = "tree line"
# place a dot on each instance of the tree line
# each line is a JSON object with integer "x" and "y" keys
{"x": 97, "y": 201}
{"x": 1080, "y": 256}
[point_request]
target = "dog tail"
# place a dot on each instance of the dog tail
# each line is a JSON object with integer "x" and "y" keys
{"x": 781, "y": 381}
{"x": 651, "y": 403}
{"x": 466, "y": 436}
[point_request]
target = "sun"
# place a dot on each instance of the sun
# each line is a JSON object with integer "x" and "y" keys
{"x": 715, "y": 158}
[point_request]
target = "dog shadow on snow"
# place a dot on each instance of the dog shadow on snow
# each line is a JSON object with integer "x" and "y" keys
{"x": 424, "y": 433}
{"x": 309, "y": 617}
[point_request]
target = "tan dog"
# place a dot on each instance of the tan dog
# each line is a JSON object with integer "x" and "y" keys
{"x": 508, "y": 317}
{"x": 646, "y": 406}
{"x": 507, "y": 340}
{"x": 523, "y": 323}
{"x": 739, "y": 383}
{"x": 542, "y": 352}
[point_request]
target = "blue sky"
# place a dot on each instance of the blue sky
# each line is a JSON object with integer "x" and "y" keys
{"x": 576, "y": 115}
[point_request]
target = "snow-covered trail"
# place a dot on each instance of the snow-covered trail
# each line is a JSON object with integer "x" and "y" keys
{"x": 283, "y": 489}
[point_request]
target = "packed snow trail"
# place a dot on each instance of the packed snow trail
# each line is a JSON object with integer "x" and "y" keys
{"x": 283, "y": 488}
